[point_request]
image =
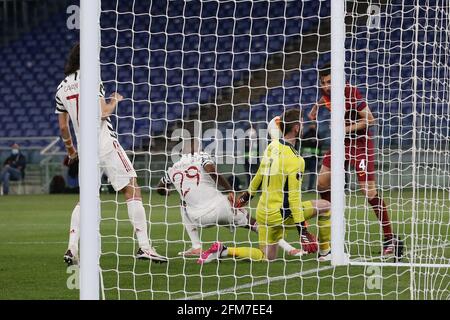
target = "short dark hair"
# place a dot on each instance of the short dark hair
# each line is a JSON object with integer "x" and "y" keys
{"x": 325, "y": 71}
{"x": 73, "y": 60}
{"x": 289, "y": 119}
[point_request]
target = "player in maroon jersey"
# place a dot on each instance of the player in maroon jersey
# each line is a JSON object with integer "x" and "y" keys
{"x": 359, "y": 152}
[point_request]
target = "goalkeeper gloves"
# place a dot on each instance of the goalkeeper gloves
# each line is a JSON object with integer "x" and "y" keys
{"x": 242, "y": 200}
{"x": 307, "y": 239}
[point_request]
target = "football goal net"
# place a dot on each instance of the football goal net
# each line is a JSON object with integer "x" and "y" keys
{"x": 375, "y": 143}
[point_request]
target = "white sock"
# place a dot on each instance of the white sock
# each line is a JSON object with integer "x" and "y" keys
{"x": 191, "y": 229}
{"x": 193, "y": 235}
{"x": 136, "y": 213}
{"x": 74, "y": 235}
{"x": 285, "y": 245}
{"x": 224, "y": 253}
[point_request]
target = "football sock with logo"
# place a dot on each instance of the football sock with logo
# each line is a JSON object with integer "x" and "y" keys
{"x": 324, "y": 224}
{"x": 136, "y": 213}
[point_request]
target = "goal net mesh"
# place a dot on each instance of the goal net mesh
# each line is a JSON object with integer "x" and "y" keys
{"x": 223, "y": 70}
{"x": 399, "y": 58}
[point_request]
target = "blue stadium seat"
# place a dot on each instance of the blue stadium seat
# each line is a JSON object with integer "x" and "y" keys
{"x": 158, "y": 126}
{"x": 241, "y": 61}
{"x": 190, "y": 60}
{"x": 13, "y": 132}
{"x": 257, "y": 60}
{"x": 224, "y": 61}
{"x": 190, "y": 95}
{"x": 224, "y": 79}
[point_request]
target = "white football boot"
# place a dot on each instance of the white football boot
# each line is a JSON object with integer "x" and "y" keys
{"x": 192, "y": 252}
{"x": 150, "y": 254}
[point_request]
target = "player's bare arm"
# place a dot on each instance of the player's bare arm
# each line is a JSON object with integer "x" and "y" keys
{"x": 220, "y": 180}
{"x": 63, "y": 120}
{"x": 366, "y": 120}
{"x": 254, "y": 186}
{"x": 109, "y": 107}
{"x": 312, "y": 115}
{"x": 246, "y": 196}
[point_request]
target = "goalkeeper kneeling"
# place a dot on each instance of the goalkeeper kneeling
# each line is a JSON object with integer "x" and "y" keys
{"x": 280, "y": 207}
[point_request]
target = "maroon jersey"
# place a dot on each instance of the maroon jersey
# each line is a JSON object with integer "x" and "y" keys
{"x": 359, "y": 149}
{"x": 354, "y": 103}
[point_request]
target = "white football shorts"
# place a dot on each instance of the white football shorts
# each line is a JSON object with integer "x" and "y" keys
{"x": 117, "y": 167}
{"x": 221, "y": 213}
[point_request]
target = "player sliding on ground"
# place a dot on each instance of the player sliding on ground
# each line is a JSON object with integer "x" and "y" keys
{"x": 280, "y": 207}
{"x": 359, "y": 152}
{"x": 113, "y": 159}
{"x": 203, "y": 205}
{"x": 196, "y": 179}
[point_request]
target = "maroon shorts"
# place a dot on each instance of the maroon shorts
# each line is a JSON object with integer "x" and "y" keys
{"x": 360, "y": 154}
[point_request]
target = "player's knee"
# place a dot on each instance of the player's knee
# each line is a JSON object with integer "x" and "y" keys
{"x": 323, "y": 207}
{"x": 270, "y": 252}
{"x": 131, "y": 192}
{"x": 371, "y": 193}
{"x": 134, "y": 190}
{"x": 322, "y": 186}
{"x": 126, "y": 193}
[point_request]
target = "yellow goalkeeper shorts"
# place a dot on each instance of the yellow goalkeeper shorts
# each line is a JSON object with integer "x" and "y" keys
{"x": 272, "y": 233}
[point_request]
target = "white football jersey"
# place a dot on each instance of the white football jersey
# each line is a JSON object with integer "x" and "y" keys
{"x": 196, "y": 187}
{"x": 68, "y": 100}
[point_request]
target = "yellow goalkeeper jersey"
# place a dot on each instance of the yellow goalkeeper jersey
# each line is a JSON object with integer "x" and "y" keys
{"x": 280, "y": 178}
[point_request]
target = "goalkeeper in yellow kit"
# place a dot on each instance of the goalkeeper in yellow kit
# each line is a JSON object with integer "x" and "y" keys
{"x": 280, "y": 207}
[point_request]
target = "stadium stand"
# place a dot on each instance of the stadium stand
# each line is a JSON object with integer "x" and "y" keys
{"x": 171, "y": 72}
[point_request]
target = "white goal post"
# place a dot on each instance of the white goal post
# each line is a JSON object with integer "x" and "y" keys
{"x": 337, "y": 133}
{"x": 89, "y": 151}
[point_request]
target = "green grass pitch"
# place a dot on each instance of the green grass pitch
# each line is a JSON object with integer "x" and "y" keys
{"x": 34, "y": 234}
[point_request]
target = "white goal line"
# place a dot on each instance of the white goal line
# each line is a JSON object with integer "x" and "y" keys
{"x": 400, "y": 264}
{"x": 405, "y": 264}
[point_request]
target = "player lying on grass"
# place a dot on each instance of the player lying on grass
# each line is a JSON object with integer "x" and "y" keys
{"x": 197, "y": 181}
{"x": 280, "y": 207}
{"x": 113, "y": 159}
{"x": 359, "y": 152}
